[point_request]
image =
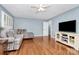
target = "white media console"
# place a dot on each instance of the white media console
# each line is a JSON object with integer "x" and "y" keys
{"x": 70, "y": 39}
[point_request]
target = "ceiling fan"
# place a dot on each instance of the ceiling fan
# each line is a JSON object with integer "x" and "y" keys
{"x": 40, "y": 7}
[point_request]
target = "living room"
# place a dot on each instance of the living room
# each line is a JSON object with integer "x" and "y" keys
{"x": 37, "y": 29}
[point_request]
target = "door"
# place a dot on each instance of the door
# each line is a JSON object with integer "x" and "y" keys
{"x": 45, "y": 29}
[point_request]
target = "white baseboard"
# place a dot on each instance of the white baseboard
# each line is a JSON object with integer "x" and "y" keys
{"x": 43, "y": 35}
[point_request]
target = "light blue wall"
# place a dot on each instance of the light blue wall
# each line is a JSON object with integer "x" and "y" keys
{"x": 67, "y": 16}
{"x": 31, "y": 25}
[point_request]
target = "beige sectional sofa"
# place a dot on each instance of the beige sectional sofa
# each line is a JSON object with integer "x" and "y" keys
{"x": 15, "y": 39}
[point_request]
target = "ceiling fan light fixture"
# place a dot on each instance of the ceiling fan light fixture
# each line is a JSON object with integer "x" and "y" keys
{"x": 41, "y": 9}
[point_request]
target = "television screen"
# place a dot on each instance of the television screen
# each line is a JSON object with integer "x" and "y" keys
{"x": 69, "y": 26}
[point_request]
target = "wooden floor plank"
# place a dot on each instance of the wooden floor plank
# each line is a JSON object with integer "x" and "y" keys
{"x": 43, "y": 46}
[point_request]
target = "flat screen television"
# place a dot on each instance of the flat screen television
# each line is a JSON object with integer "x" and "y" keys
{"x": 68, "y": 26}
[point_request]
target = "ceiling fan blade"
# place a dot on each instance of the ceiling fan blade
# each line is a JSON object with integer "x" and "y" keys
{"x": 45, "y": 6}
{"x": 34, "y": 7}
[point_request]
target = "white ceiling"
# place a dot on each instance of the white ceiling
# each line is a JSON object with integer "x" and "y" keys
{"x": 25, "y": 10}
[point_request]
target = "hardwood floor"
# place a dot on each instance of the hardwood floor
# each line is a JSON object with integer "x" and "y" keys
{"x": 43, "y": 46}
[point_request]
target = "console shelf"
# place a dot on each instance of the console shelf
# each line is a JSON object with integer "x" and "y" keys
{"x": 70, "y": 39}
